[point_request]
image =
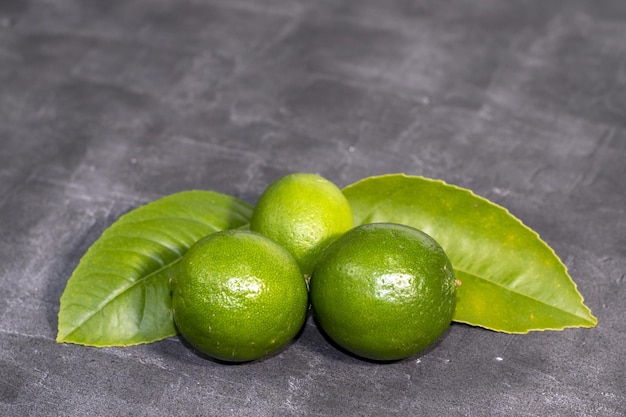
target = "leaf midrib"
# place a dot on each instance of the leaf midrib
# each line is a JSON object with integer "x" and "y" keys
{"x": 123, "y": 290}
{"x": 116, "y": 294}
{"x": 509, "y": 289}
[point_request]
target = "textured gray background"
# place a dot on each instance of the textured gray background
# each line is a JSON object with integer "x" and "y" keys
{"x": 105, "y": 105}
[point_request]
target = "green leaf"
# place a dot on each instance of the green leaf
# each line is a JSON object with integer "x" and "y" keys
{"x": 512, "y": 281}
{"x": 119, "y": 294}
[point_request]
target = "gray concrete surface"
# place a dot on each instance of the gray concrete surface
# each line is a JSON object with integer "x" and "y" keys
{"x": 105, "y": 105}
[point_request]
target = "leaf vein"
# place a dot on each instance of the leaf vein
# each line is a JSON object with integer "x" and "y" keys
{"x": 522, "y": 294}
{"x": 113, "y": 295}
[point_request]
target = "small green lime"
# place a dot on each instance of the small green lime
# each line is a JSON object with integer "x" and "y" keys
{"x": 304, "y": 213}
{"x": 383, "y": 291}
{"x": 238, "y": 296}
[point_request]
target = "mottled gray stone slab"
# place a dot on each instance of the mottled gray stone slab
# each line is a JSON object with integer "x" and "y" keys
{"x": 106, "y": 105}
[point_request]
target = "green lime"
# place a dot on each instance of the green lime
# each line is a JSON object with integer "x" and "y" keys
{"x": 238, "y": 296}
{"x": 304, "y": 213}
{"x": 383, "y": 291}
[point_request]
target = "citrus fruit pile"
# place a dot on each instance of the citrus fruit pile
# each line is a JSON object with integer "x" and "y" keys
{"x": 380, "y": 291}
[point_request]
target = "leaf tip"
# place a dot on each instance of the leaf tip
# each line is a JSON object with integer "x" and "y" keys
{"x": 593, "y": 321}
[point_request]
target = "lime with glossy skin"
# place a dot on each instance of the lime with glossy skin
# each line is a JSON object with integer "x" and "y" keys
{"x": 238, "y": 296}
{"x": 304, "y": 213}
{"x": 383, "y": 291}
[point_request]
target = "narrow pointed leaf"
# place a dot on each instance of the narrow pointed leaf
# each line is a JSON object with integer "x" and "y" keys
{"x": 512, "y": 281}
{"x": 119, "y": 294}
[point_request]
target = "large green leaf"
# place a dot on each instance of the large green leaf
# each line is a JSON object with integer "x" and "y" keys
{"x": 119, "y": 294}
{"x": 512, "y": 281}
